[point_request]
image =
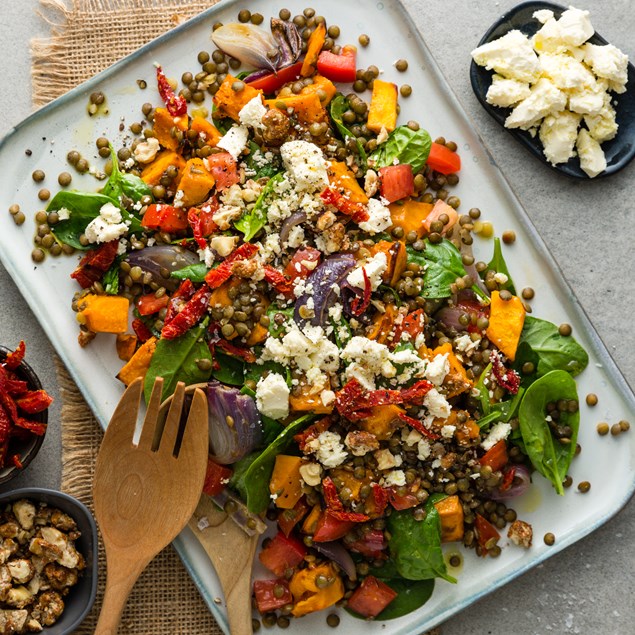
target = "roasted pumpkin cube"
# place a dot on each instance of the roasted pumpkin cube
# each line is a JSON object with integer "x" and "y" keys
{"x": 451, "y": 515}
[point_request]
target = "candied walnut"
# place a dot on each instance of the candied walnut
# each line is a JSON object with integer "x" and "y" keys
{"x": 276, "y": 126}
{"x": 12, "y": 621}
{"x": 21, "y": 569}
{"x": 325, "y": 220}
{"x": 448, "y": 460}
{"x": 5, "y": 581}
{"x": 9, "y": 529}
{"x": 335, "y": 238}
{"x": 63, "y": 521}
{"x": 60, "y": 577}
{"x": 371, "y": 183}
{"x": 24, "y": 512}
{"x": 245, "y": 268}
{"x": 85, "y": 337}
{"x": 7, "y": 549}
{"x": 19, "y": 597}
{"x": 48, "y": 608}
{"x": 361, "y": 442}
{"x": 521, "y": 533}
{"x": 46, "y": 550}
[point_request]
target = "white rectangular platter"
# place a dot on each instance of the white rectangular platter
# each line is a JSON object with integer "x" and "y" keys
{"x": 65, "y": 125}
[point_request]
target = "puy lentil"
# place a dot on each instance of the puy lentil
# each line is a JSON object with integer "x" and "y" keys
{"x": 549, "y": 539}
{"x": 584, "y": 487}
{"x": 333, "y": 620}
{"x": 616, "y": 429}
{"x": 364, "y": 40}
{"x": 565, "y": 330}
{"x": 44, "y": 194}
{"x": 401, "y": 65}
{"x": 624, "y": 425}
{"x": 527, "y": 293}
{"x": 64, "y": 179}
{"x": 591, "y": 399}
{"x": 38, "y": 176}
{"x": 602, "y": 428}
{"x": 405, "y": 90}
{"x": 509, "y": 237}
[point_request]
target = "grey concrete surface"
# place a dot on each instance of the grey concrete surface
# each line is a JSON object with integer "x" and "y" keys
{"x": 589, "y": 227}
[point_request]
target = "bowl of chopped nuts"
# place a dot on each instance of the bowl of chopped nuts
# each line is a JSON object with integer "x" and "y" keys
{"x": 23, "y": 412}
{"x": 49, "y": 578}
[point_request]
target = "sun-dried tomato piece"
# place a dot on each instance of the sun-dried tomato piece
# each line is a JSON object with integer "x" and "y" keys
{"x": 360, "y": 304}
{"x": 34, "y": 401}
{"x": 312, "y": 432}
{"x": 16, "y": 387}
{"x": 236, "y": 351}
{"x": 14, "y": 359}
{"x": 15, "y": 459}
{"x": 505, "y": 377}
{"x": 357, "y": 211}
{"x": 380, "y": 498}
{"x": 175, "y": 104}
{"x": 416, "y": 392}
{"x": 418, "y": 426}
{"x": 141, "y": 330}
{"x": 35, "y": 427}
{"x": 202, "y": 223}
{"x": 278, "y": 280}
{"x": 223, "y": 272}
{"x": 95, "y": 263}
{"x": 354, "y": 517}
{"x": 331, "y": 497}
{"x": 189, "y": 315}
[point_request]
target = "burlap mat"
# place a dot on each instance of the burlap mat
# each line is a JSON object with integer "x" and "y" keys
{"x": 86, "y": 37}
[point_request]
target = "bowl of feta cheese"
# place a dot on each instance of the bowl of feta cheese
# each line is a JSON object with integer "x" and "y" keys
{"x": 559, "y": 88}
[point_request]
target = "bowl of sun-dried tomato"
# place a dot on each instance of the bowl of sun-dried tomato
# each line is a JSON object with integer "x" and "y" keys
{"x": 23, "y": 412}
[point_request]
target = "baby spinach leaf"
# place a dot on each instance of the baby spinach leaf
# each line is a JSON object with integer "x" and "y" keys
{"x": 121, "y": 183}
{"x": 547, "y": 454}
{"x": 411, "y": 595}
{"x": 442, "y": 265}
{"x": 230, "y": 370}
{"x": 503, "y": 411}
{"x": 339, "y": 105}
{"x": 253, "y": 483}
{"x": 415, "y": 545}
{"x": 258, "y": 169}
{"x": 110, "y": 280}
{"x": 278, "y": 330}
{"x": 195, "y": 272}
{"x": 405, "y": 146}
{"x": 541, "y": 344}
{"x": 251, "y": 223}
{"x": 498, "y": 264}
{"x": 175, "y": 360}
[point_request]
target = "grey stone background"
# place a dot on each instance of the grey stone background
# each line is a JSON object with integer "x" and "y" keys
{"x": 590, "y": 229}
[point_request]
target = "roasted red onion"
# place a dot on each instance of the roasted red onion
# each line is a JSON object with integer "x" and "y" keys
{"x": 449, "y": 316}
{"x": 522, "y": 481}
{"x": 337, "y": 553}
{"x": 162, "y": 258}
{"x": 235, "y": 428}
{"x": 325, "y": 284}
{"x": 289, "y": 41}
{"x": 297, "y": 218}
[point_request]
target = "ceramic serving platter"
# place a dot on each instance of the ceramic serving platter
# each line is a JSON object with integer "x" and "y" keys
{"x": 64, "y": 125}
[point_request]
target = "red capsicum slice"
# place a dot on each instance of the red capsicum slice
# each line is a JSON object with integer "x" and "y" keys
{"x": 338, "y": 68}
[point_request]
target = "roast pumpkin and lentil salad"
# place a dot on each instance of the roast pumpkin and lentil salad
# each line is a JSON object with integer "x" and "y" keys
{"x": 374, "y": 389}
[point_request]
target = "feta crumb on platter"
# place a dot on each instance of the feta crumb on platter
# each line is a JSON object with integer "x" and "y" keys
{"x": 559, "y": 85}
{"x": 272, "y": 396}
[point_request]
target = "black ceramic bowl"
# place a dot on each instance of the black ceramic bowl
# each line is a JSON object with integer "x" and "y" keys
{"x": 619, "y": 151}
{"x": 26, "y": 449}
{"x": 81, "y": 597}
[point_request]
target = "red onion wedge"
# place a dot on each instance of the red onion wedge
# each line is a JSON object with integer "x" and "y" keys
{"x": 521, "y": 483}
{"x": 337, "y": 553}
{"x": 235, "y": 428}
{"x": 297, "y": 218}
{"x": 162, "y": 258}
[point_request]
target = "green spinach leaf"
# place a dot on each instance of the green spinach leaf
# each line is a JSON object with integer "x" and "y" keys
{"x": 277, "y": 330}
{"x": 250, "y": 224}
{"x": 547, "y": 454}
{"x": 405, "y": 146}
{"x": 339, "y": 105}
{"x": 498, "y": 264}
{"x": 110, "y": 280}
{"x": 415, "y": 545}
{"x": 411, "y": 595}
{"x": 259, "y": 169}
{"x": 231, "y": 370}
{"x": 175, "y": 360}
{"x": 442, "y": 265}
{"x": 542, "y": 345}
{"x": 253, "y": 483}
{"x": 195, "y": 272}
{"x": 122, "y": 184}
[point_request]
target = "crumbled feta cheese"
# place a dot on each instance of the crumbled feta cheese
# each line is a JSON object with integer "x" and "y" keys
{"x": 589, "y": 101}
{"x": 542, "y": 15}
{"x": 223, "y": 245}
{"x": 107, "y": 226}
{"x": 602, "y": 127}
{"x": 447, "y": 432}
{"x": 178, "y": 198}
{"x": 423, "y": 449}
{"x": 395, "y": 478}
{"x": 252, "y": 112}
{"x": 437, "y": 369}
{"x": 608, "y": 62}
{"x": 506, "y": 92}
{"x": 327, "y": 397}
{"x": 234, "y": 140}
{"x": 592, "y": 159}
{"x": 374, "y": 269}
{"x": 511, "y": 56}
{"x": 330, "y": 450}
{"x": 575, "y": 27}
{"x": 63, "y": 213}
{"x": 305, "y": 163}
{"x": 296, "y": 238}
{"x": 436, "y": 404}
{"x": 498, "y": 432}
{"x": 410, "y": 436}
{"x": 565, "y": 71}
{"x": 207, "y": 256}
{"x": 465, "y": 344}
{"x": 558, "y": 134}
{"x": 145, "y": 151}
{"x": 545, "y": 98}
{"x": 379, "y": 218}
{"x": 311, "y": 473}
{"x": 272, "y": 396}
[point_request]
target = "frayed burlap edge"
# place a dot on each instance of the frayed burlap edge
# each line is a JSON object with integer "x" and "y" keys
{"x": 164, "y": 601}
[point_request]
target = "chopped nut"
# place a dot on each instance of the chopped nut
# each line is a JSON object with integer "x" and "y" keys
{"x": 360, "y": 442}
{"x": 24, "y": 513}
{"x": 325, "y": 221}
{"x": 521, "y": 533}
{"x": 311, "y": 473}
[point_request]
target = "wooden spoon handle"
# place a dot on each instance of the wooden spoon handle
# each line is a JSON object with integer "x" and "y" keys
{"x": 121, "y": 578}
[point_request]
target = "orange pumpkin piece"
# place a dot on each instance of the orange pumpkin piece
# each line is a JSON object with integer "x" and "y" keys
{"x": 153, "y": 172}
{"x": 196, "y": 182}
{"x": 229, "y": 102}
{"x": 208, "y": 132}
{"x": 451, "y": 515}
{"x": 323, "y": 87}
{"x": 343, "y": 179}
{"x": 382, "y": 421}
{"x": 383, "y": 107}
{"x": 286, "y": 483}
{"x": 441, "y": 207}
{"x": 164, "y": 125}
{"x": 126, "y": 345}
{"x": 396, "y": 259}
{"x": 506, "y": 321}
{"x": 139, "y": 362}
{"x": 314, "y": 46}
{"x": 104, "y": 313}
{"x": 307, "y": 108}
{"x": 456, "y": 381}
{"x": 383, "y": 325}
{"x": 308, "y": 595}
{"x": 410, "y": 216}
{"x": 306, "y": 402}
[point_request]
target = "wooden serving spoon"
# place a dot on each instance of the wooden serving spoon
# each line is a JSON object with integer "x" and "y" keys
{"x": 145, "y": 493}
